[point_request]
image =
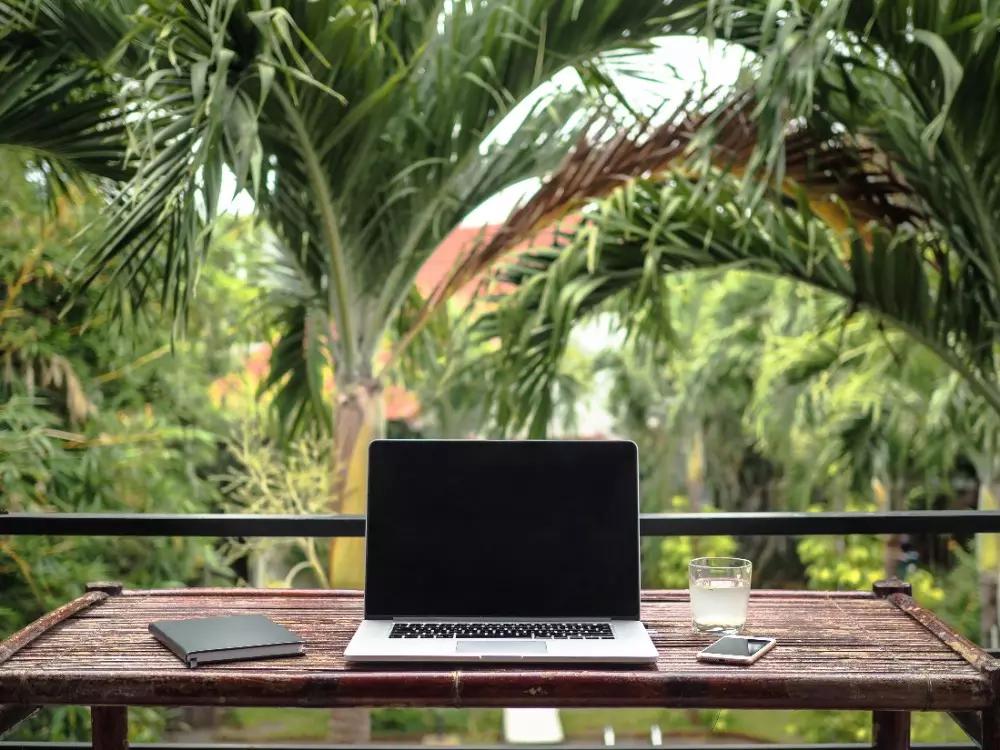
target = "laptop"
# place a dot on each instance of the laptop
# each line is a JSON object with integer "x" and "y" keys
{"x": 502, "y": 551}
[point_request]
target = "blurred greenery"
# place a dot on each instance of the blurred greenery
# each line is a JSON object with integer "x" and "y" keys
{"x": 96, "y": 418}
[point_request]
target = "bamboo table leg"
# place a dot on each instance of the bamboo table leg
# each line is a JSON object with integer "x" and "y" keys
{"x": 891, "y": 730}
{"x": 991, "y": 729}
{"x": 109, "y": 727}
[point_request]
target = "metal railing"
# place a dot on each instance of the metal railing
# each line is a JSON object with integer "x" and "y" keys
{"x": 956, "y": 522}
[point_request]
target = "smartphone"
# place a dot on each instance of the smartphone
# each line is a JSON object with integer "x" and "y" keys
{"x": 737, "y": 649}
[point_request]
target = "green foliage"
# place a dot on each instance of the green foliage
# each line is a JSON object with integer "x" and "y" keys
{"x": 671, "y": 228}
{"x": 915, "y": 78}
{"x": 855, "y": 726}
{"x": 59, "y": 105}
{"x": 93, "y": 420}
{"x": 961, "y": 605}
{"x": 331, "y": 115}
{"x": 420, "y": 722}
{"x": 269, "y": 478}
{"x": 677, "y": 552}
{"x": 822, "y": 74}
{"x": 856, "y": 561}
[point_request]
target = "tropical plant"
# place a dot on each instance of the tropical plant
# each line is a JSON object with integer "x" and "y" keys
{"x": 855, "y": 159}
{"x": 59, "y": 106}
{"x": 293, "y": 479}
{"x": 364, "y": 132}
{"x": 89, "y": 423}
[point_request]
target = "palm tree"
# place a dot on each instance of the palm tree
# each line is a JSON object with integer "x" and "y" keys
{"x": 859, "y": 160}
{"x": 365, "y": 132}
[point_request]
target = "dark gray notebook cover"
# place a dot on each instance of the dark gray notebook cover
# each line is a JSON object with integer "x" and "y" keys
{"x": 207, "y": 639}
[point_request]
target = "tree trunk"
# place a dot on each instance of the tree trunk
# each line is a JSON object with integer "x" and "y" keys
{"x": 357, "y": 421}
{"x": 694, "y": 479}
{"x": 350, "y": 726}
{"x": 988, "y": 562}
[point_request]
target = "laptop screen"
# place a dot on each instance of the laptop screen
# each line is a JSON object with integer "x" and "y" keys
{"x": 502, "y": 529}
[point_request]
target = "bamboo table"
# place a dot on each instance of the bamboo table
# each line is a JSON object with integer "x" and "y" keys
{"x": 879, "y": 652}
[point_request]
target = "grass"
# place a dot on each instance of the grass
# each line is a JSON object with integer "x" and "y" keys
{"x": 580, "y": 725}
{"x": 274, "y": 724}
{"x": 588, "y": 725}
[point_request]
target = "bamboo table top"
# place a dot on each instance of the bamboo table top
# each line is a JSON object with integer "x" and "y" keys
{"x": 835, "y": 650}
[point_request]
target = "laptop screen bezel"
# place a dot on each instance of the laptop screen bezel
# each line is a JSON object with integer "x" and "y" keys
{"x": 636, "y": 542}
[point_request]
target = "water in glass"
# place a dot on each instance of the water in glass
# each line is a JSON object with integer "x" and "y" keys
{"x": 719, "y": 605}
{"x": 720, "y": 590}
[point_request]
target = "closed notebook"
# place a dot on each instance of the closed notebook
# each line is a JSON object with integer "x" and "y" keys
{"x": 211, "y": 639}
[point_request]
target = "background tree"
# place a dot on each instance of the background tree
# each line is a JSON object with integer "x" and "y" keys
{"x": 364, "y": 132}
{"x": 96, "y": 418}
{"x": 856, "y": 159}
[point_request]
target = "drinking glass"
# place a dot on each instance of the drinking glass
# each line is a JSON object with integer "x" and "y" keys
{"x": 719, "y": 588}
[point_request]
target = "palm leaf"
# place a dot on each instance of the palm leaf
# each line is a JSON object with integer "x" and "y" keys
{"x": 864, "y": 130}
{"x": 58, "y": 104}
{"x": 648, "y": 229}
{"x": 366, "y": 132}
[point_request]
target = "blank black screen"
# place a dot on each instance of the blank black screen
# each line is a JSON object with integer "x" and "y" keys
{"x": 502, "y": 529}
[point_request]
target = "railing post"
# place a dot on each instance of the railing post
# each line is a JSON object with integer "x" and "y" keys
{"x": 111, "y": 588}
{"x": 891, "y": 729}
{"x": 892, "y": 586}
{"x": 109, "y": 727}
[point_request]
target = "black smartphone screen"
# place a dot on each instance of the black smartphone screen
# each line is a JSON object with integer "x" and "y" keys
{"x": 733, "y": 645}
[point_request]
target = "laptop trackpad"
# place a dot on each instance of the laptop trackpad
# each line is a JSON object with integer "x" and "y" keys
{"x": 501, "y": 647}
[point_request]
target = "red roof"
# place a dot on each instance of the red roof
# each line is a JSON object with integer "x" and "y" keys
{"x": 461, "y": 239}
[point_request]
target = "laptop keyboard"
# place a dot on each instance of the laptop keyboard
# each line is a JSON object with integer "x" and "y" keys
{"x": 568, "y": 630}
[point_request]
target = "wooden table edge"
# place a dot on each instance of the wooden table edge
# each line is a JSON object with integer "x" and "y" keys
{"x": 983, "y": 726}
{"x": 12, "y": 714}
{"x": 969, "y": 651}
{"x": 46, "y": 622}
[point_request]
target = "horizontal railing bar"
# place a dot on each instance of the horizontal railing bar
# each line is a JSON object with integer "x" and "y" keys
{"x": 258, "y": 746}
{"x": 181, "y": 524}
{"x": 957, "y": 522}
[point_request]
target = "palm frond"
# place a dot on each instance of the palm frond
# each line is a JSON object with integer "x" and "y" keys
{"x": 646, "y": 230}
{"x": 299, "y": 363}
{"x": 836, "y": 174}
{"x": 867, "y": 124}
{"x": 839, "y": 176}
{"x": 193, "y": 108}
{"x": 58, "y": 103}
{"x": 918, "y": 82}
{"x": 365, "y": 132}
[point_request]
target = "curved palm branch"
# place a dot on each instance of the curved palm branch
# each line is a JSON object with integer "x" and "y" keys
{"x": 837, "y": 175}
{"x": 647, "y": 230}
{"x": 911, "y": 83}
{"x": 917, "y": 80}
{"x": 843, "y": 180}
